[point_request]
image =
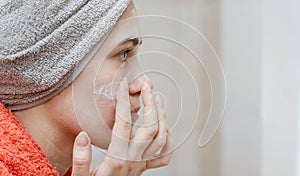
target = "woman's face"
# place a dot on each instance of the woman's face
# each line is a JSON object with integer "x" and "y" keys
{"x": 93, "y": 92}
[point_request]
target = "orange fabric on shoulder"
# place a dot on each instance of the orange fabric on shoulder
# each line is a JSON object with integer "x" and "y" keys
{"x": 19, "y": 153}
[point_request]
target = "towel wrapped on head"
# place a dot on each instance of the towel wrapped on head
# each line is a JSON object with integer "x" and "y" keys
{"x": 43, "y": 42}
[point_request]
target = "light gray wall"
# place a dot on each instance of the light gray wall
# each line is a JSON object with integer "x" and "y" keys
{"x": 241, "y": 51}
{"x": 281, "y": 87}
{"x": 203, "y": 16}
{"x": 258, "y": 43}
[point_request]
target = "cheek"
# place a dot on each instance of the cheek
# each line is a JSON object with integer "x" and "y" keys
{"x": 108, "y": 113}
{"x": 108, "y": 77}
{"x": 105, "y": 106}
{"x": 103, "y": 79}
{"x": 107, "y": 109}
{"x": 62, "y": 110}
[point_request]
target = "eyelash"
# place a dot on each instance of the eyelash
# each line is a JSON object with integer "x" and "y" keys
{"x": 124, "y": 54}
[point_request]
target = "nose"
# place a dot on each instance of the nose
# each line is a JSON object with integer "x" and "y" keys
{"x": 137, "y": 84}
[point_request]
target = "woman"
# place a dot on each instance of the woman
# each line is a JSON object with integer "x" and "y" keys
{"x": 56, "y": 59}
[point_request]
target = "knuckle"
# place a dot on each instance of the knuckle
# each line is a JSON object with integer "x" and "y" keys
{"x": 127, "y": 126}
{"x": 123, "y": 102}
{"x": 119, "y": 165}
{"x": 124, "y": 112}
{"x": 151, "y": 131}
{"x": 132, "y": 167}
{"x": 123, "y": 122}
{"x": 80, "y": 162}
{"x": 161, "y": 142}
{"x": 81, "y": 157}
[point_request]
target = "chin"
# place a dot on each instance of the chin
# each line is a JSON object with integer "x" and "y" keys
{"x": 101, "y": 137}
{"x": 103, "y": 144}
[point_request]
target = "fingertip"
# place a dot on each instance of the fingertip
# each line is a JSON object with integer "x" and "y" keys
{"x": 146, "y": 96}
{"x": 82, "y": 139}
{"x": 82, "y": 154}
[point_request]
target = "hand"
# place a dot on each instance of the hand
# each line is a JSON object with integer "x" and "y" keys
{"x": 129, "y": 154}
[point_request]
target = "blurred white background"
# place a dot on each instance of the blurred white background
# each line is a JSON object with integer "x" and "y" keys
{"x": 258, "y": 44}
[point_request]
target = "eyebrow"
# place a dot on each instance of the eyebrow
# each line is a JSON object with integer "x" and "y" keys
{"x": 136, "y": 41}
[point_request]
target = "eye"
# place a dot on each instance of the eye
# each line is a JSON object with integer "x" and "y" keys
{"x": 123, "y": 55}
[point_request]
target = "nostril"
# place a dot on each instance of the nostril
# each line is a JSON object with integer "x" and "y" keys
{"x": 136, "y": 85}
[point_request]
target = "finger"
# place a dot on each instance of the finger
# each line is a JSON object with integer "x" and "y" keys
{"x": 82, "y": 154}
{"x": 149, "y": 128}
{"x": 135, "y": 88}
{"x": 122, "y": 127}
{"x": 150, "y": 111}
{"x": 145, "y": 134}
{"x": 161, "y": 137}
{"x": 165, "y": 155}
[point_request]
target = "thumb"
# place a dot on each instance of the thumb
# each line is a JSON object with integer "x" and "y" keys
{"x": 82, "y": 152}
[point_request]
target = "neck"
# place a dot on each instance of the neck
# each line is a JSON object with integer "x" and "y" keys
{"x": 50, "y": 135}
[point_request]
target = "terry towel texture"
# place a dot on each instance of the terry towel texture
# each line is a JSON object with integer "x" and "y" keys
{"x": 19, "y": 154}
{"x": 42, "y": 42}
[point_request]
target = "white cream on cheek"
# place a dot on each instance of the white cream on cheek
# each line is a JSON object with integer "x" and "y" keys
{"x": 108, "y": 91}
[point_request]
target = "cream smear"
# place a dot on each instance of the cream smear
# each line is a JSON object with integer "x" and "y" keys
{"x": 108, "y": 91}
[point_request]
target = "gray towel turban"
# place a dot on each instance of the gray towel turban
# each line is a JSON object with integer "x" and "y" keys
{"x": 42, "y": 42}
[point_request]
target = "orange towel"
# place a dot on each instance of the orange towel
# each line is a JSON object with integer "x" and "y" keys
{"x": 19, "y": 154}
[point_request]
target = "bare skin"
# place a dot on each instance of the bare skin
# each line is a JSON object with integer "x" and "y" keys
{"x": 139, "y": 151}
{"x": 54, "y": 125}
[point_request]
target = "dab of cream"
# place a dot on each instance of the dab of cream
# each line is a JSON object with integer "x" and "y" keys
{"x": 109, "y": 91}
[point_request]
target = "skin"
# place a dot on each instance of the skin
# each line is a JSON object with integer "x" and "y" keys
{"x": 56, "y": 125}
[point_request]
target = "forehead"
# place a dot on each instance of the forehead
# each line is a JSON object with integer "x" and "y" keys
{"x": 126, "y": 27}
{"x": 128, "y": 23}
{"x": 129, "y": 12}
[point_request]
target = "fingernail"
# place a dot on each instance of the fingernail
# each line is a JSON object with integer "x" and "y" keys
{"x": 82, "y": 139}
{"x": 145, "y": 88}
{"x": 146, "y": 85}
